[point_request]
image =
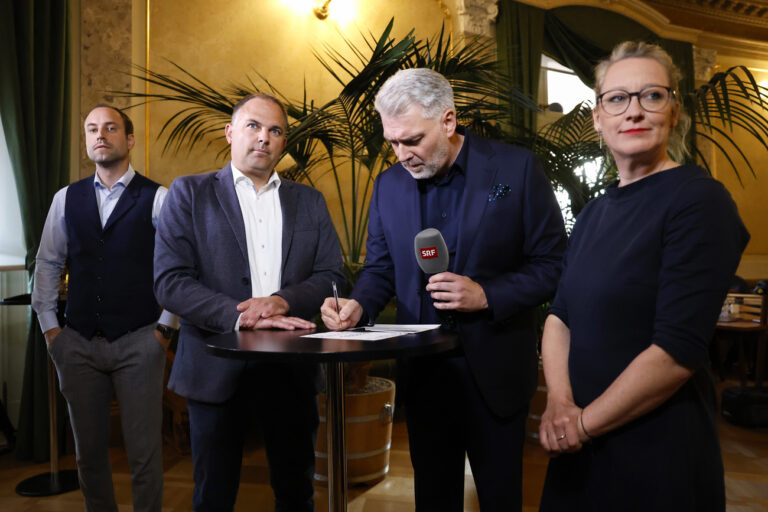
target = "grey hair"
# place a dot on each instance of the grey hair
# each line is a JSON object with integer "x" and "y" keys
{"x": 676, "y": 146}
{"x": 421, "y": 86}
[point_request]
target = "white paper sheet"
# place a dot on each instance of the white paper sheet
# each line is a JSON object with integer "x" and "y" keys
{"x": 375, "y": 332}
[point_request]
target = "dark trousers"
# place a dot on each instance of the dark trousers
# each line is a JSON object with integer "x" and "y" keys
{"x": 283, "y": 401}
{"x": 448, "y": 418}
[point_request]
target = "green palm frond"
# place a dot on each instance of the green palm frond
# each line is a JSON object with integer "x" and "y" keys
{"x": 729, "y": 101}
{"x": 565, "y": 147}
{"x": 207, "y": 112}
{"x": 482, "y": 92}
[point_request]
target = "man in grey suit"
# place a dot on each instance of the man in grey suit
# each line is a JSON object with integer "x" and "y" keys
{"x": 235, "y": 249}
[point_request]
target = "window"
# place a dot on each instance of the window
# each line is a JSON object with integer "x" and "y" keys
{"x": 560, "y": 91}
{"x": 13, "y": 320}
{"x": 12, "y": 246}
{"x": 563, "y": 86}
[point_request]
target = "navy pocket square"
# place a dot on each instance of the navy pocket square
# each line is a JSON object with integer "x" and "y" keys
{"x": 498, "y": 191}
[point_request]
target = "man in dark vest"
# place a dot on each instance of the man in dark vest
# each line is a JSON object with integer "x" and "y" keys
{"x": 102, "y": 229}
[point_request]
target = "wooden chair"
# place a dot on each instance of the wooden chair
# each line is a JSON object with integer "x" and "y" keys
{"x": 745, "y": 318}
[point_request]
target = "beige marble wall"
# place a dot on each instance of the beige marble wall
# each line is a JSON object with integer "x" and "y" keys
{"x": 105, "y": 58}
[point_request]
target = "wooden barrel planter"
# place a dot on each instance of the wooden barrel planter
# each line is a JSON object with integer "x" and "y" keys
{"x": 368, "y": 426}
{"x": 538, "y": 404}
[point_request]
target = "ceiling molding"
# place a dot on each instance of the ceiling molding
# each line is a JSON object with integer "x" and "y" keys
{"x": 743, "y": 12}
{"x": 661, "y": 25}
{"x": 633, "y": 9}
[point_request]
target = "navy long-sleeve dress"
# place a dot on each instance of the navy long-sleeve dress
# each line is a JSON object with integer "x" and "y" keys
{"x": 647, "y": 263}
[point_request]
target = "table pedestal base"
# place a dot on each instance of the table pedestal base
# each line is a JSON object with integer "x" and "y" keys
{"x": 55, "y": 482}
{"x": 48, "y": 484}
{"x": 337, "y": 449}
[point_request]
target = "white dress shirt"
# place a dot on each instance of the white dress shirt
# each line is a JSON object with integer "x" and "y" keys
{"x": 263, "y": 219}
{"x": 54, "y": 246}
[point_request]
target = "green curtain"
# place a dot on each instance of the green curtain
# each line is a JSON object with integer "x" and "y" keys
{"x": 519, "y": 47}
{"x": 576, "y": 36}
{"x": 35, "y": 110}
{"x": 579, "y": 37}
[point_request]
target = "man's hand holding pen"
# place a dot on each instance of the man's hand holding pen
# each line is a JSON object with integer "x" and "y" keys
{"x": 347, "y": 315}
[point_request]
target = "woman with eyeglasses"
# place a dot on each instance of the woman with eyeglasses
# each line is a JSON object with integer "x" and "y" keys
{"x": 630, "y": 421}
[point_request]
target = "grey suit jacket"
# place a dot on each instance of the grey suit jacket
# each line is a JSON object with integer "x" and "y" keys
{"x": 202, "y": 271}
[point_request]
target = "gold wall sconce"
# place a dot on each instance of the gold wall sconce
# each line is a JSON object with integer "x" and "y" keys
{"x": 321, "y": 9}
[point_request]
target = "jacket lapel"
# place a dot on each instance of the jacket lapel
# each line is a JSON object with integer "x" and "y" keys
{"x": 409, "y": 223}
{"x": 479, "y": 179}
{"x": 288, "y": 205}
{"x": 224, "y": 188}
{"x": 410, "y": 205}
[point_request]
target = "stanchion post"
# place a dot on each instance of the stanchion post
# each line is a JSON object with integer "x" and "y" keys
{"x": 53, "y": 427}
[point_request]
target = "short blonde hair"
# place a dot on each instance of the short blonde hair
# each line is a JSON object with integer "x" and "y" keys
{"x": 676, "y": 146}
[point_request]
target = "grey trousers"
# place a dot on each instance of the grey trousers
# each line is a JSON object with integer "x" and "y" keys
{"x": 89, "y": 372}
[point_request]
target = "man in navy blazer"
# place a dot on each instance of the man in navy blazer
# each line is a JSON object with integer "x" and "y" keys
{"x": 505, "y": 235}
{"x": 243, "y": 249}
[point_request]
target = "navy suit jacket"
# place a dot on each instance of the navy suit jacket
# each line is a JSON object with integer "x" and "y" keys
{"x": 202, "y": 271}
{"x": 511, "y": 241}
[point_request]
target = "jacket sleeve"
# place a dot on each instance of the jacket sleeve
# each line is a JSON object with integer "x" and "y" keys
{"x": 376, "y": 285}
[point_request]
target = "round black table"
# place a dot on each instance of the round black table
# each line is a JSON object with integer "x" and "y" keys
{"x": 269, "y": 345}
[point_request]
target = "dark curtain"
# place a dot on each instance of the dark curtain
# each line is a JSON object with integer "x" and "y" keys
{"x": 35, "y": 110}
{"x": 519, "y": 49}
{"x": 576, "y": 36}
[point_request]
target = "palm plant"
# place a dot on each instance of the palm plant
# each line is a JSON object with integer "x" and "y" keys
{"x": 343, "y": 138}
{"x": 566, "y": 147}
{"x": 725, "y": 102}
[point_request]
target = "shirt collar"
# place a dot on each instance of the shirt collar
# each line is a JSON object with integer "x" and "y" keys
{"x": 238, "y": 177}
{"x": 124, "y": 180}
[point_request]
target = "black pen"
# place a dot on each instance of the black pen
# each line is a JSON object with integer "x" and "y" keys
{"x": 336, "y": 296}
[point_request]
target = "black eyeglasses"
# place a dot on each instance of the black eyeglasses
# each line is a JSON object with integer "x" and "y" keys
{"x": 652, "y": 99}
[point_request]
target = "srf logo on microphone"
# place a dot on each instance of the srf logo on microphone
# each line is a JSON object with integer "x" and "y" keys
{"x": 427, "y": 253}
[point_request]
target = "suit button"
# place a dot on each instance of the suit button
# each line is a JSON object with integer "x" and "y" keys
{"x": 100, "y": 242}
{"x": 246, "y": 281}
{"x": 98, "y": 316}
{"x": 98, "y": 298}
